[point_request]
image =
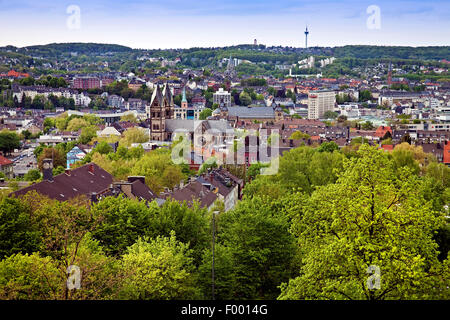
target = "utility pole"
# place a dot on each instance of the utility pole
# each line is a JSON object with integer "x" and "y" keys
{"x": 213, "y": 243}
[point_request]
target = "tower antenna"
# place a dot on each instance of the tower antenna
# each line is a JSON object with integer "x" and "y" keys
{"x": 306, "y": 37}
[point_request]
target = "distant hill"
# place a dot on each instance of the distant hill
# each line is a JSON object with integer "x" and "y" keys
{"x": 55, "y": 50}
{"x": 91, "y": 57}
{"x": 415, "y": 53}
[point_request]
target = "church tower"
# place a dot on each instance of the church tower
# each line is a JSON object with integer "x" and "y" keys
{"x": 184, "y": 102}
{"x": 161, "y": 108}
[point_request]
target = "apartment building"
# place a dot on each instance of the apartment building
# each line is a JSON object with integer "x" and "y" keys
{"x": 319, "y": 102}
{"x": 222, "y": 98}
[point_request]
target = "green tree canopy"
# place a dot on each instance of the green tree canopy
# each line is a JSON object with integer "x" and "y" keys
{"x": 8, "y": 141}
{"x": 17, "y": 234}
{"x": 330, "y": 115}
{"x": 207, "y": 112}
{"x": 103, "y": 148}
{"x": 370, "y": 217}
{"x": 32, "y": 175}
{"x": 162, "y": 270}
{"x": 245, "y": 98}
{"x": 29, "y": 277}
{"x": 261, "y": 248}
{"x": 298, "y": 135}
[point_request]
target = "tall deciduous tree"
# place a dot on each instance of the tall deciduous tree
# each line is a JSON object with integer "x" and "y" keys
{"x": 245, "y": 98}
{"x": 162, "y": 270}
{"x": 134, "y": 135}
{"x": 88, "y": 133}
{"x": 30, "y": 277}
{"x": 306, "y": 168}
{"x": 261, "y": 246}
{"x": 124, "y": 222}
{"x": 59, "y": 159}
{"x": 159, "y": 170}
{"x": 370, "y": 218}
{"x": 207, "y": 112}
{"x": 17, "y": 234}
{"x": 8, "y": 141}
{"x": 76, "y": 124}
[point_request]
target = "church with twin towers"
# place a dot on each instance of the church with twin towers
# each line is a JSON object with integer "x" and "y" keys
{"x": 161, "y": 108}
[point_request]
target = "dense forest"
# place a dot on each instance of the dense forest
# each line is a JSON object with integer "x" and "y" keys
{"x": 55, "y": 50}
{"x": 393, "y": 52}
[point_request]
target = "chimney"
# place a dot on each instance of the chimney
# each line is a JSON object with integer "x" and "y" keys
{"x": 132, "y": 179}
{"x": 91, "y": 168}
{"x": 127, "y": 190}
{"x": 47, "y": 169}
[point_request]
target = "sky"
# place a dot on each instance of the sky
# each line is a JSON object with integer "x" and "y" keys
{"x": 154, "y": 24}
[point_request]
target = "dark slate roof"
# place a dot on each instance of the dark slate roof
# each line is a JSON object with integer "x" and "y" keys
{"x": 192, "y": 125}
{"x": 157, "y": 94}
{"x": 167, "y": 94}
{"x": 251, "y": 112}
{"x": 220, "y": 179}
{"x": 84, "y": 180}
{"x": 194, "y": 191}
{"x": 142, "y": 191}
{"x": 180, "y": 124}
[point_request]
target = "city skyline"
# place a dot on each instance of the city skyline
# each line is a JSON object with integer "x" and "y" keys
{"x": 177, "y": 24}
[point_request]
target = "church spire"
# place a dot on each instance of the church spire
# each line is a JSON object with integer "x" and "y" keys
{"x": 184, "y": 95}
{"x": 184, "y": 102}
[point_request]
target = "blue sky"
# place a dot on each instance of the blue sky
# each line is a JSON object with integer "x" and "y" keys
{"x": 182, "y": 23}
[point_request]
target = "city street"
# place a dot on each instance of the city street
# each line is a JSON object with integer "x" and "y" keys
{"x": 24, "y": 163}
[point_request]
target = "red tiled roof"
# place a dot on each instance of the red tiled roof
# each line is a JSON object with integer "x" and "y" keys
{"x": 381, "y": 131}
{"x": 446, "y": 152}
{"x": 16, "y": 74}
{"x": 387, "y": 147}
{"x": 4, "y": 161}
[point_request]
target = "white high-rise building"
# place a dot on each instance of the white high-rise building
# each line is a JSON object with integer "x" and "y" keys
{"x": 319, "y": 102}
{"x": 222, "y": 97}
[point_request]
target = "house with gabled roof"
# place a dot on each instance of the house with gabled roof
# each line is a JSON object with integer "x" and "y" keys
{"x": 90, "y": 181}
{"x": 86, "y": 180}
{"x": 6, "y": 166}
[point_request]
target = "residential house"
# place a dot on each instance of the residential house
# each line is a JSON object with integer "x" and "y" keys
{"x": 6, "y": 166}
